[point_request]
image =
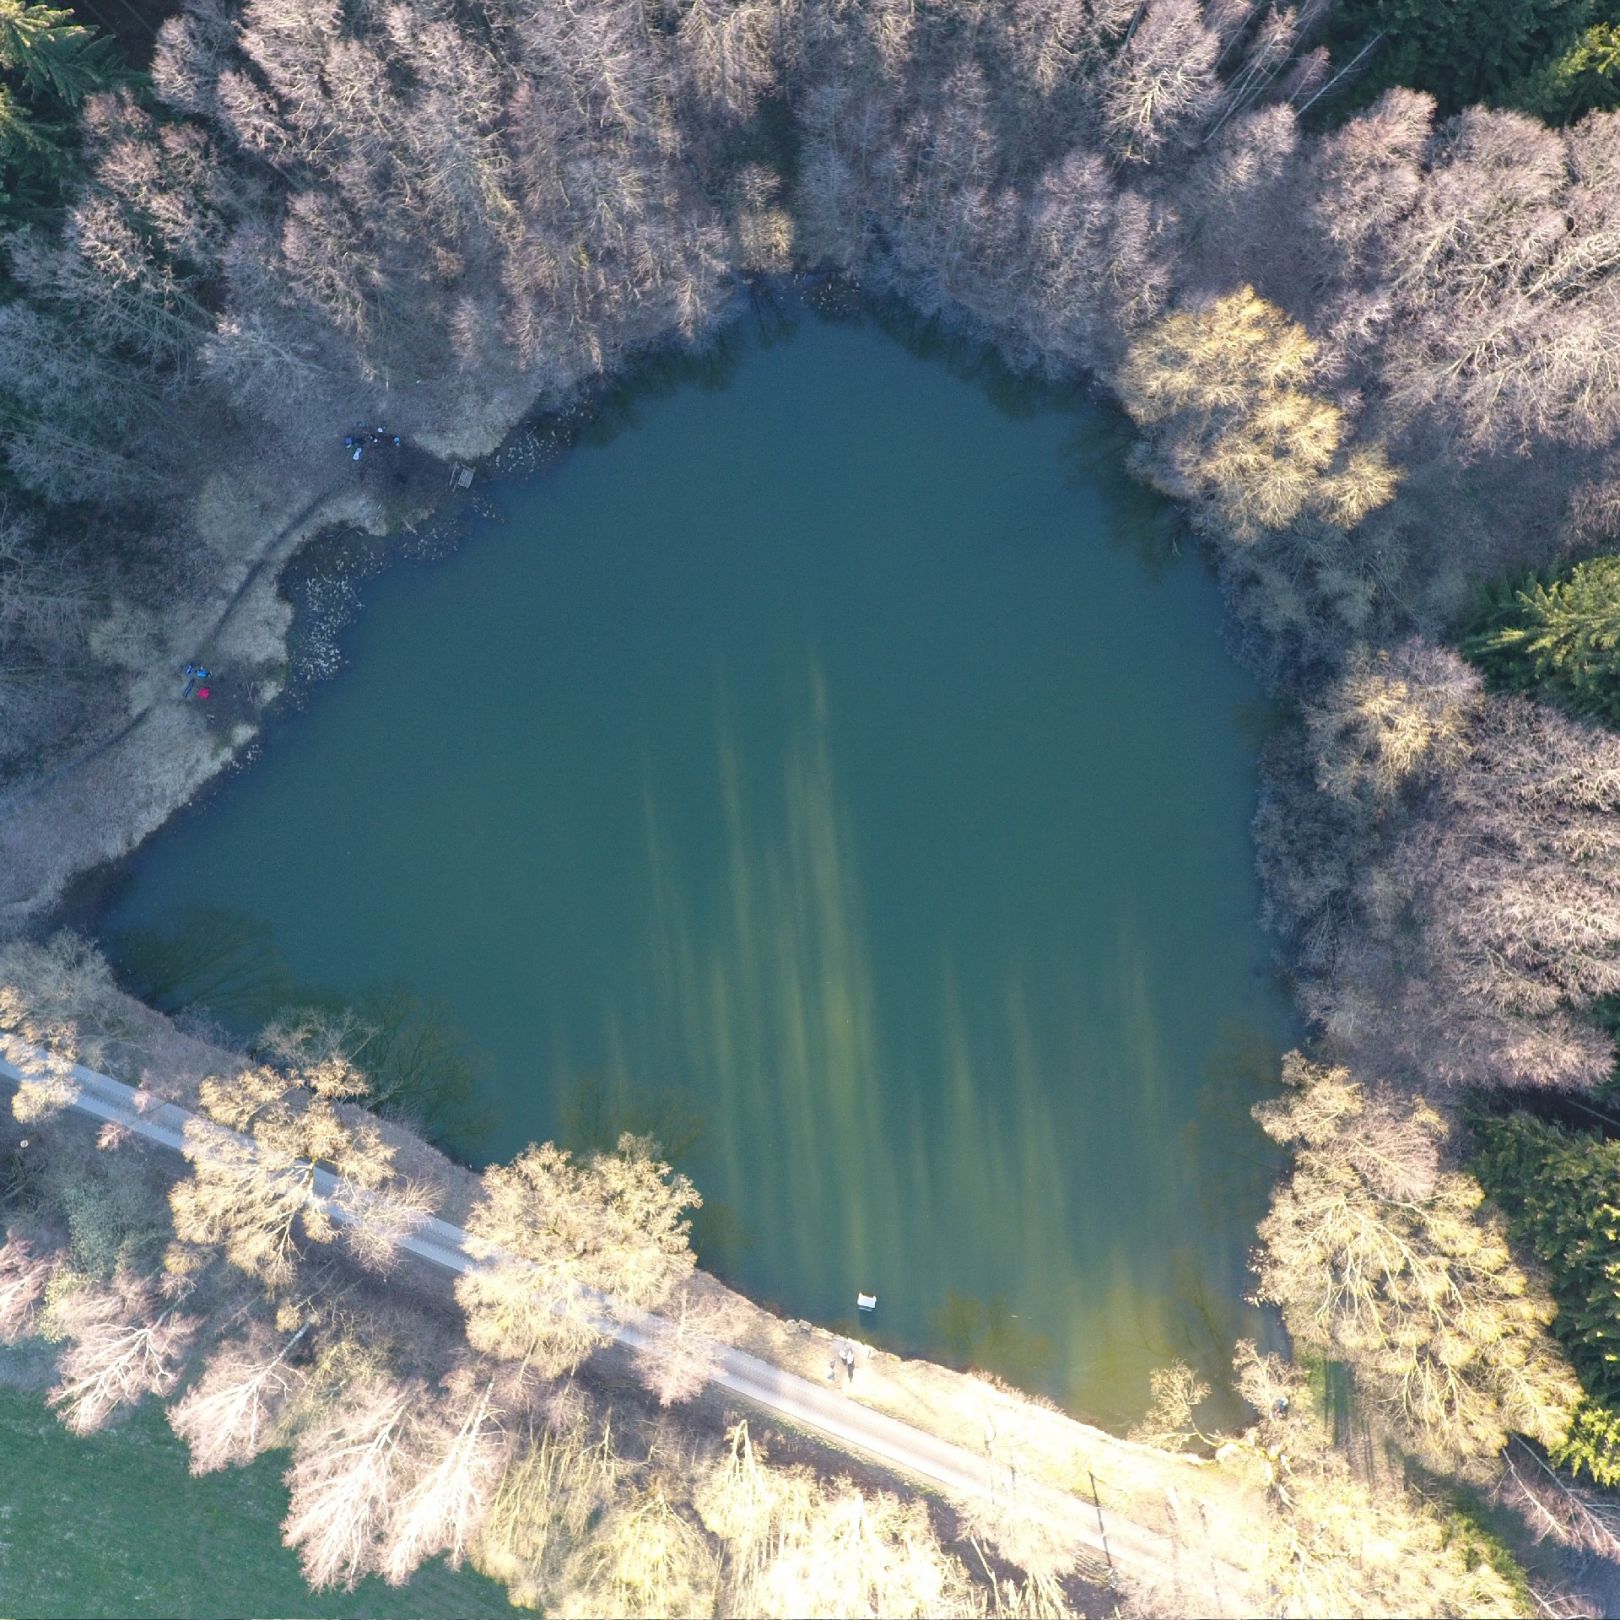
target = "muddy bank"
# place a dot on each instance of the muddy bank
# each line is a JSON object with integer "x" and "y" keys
{"x": 98, "y": 804}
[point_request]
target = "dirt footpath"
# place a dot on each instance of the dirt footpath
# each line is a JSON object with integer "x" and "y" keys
{"x": 100, "y": 803}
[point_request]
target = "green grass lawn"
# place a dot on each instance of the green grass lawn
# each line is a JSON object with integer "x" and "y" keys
{"x": 114, "y": 1525}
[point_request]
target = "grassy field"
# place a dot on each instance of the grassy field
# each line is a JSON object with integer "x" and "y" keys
{"x": 114, "y": 1525}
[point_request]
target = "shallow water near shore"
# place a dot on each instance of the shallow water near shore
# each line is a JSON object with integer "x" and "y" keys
{"x": 828, "y": 771}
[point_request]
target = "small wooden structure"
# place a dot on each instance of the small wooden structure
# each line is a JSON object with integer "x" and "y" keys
{"x": 460, "y": 477}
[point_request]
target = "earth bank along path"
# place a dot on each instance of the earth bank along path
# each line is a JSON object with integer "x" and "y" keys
{"x": 99, "y": 804}
{"x": 1140, "y": 1554}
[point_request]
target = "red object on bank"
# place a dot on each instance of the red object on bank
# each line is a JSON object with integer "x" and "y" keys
{"x": 203, "y": 693}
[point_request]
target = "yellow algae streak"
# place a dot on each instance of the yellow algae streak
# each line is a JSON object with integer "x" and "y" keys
{"x": 772, "y": 1003}
{"x": 919, "y": 1161}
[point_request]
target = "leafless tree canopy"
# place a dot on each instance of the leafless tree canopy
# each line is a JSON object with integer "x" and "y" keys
{"x": 1379, "y": 1254}
{"x": 682, "y": 1345}
{"x": 254, "y": 1190}
{"x": 24, "y": 1273}
{"x": 232, "y": 1412}
{"x": 58, "y": 1006}
{"x": 1485, "y": 922}
{"x": 123, "y": 1345}
{"x": 566, "y": 1245}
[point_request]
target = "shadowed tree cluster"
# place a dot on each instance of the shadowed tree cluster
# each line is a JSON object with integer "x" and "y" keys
{"x": 1561, "y": 1192}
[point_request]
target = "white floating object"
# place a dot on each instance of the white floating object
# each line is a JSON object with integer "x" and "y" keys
{"x": 867, "y": 1302}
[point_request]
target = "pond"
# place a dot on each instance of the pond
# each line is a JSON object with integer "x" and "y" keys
{"x": 829, "y": 767}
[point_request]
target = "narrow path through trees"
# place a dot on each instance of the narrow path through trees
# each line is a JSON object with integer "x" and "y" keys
{"x": 42, "y": 838}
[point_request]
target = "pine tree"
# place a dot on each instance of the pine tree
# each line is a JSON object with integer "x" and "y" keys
{"x": 1592, "y": 1446}
{"x": 1461, "y": 53}
{"x": 1561, "y": 1193}
{"x": 49, "y": 64}
{"x": 50, "y": 54}
{"x": 1560, "y": 634}
{"x": 1585, "y": 78}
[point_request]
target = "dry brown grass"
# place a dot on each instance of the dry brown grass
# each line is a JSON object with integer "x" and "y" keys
{"x": 1208, "y": 1510}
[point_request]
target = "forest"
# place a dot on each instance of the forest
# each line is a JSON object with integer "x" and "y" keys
{"x": 1363, "y": 314}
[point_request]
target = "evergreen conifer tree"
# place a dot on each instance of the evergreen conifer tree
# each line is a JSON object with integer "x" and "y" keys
{"x": 1560, "y": 1190}
{"x": 49, "y": 64}
{"x": 1592, "y": 1446}
{"x": 1561, "y": 634}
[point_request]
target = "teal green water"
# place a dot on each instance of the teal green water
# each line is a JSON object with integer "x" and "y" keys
{"x": 809, "y": 770}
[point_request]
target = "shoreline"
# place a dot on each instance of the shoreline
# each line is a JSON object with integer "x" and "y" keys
{"x": 71, "y": 825}
{"x": 339, "y": 519}
{"x": 338, "y": 565}
{"x": 62, "y": 830}
{"x": 1192, "y": 1505}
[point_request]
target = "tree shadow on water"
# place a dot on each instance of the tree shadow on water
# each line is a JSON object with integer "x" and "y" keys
{"x": 1135, "y": 517}
{"x": 720, "y": 1238}
{"x": 1226, "y": 1156}
{"x": 220, "y": 967}
{"x": 211, "y": 960}
{"x": 598, "y": 1107}
{"x": 985, "y": 1334}
{"x": 1014, "y": 393}
{"x": 423, "y": 1069}
{"x": 660, "y": 376}
{"x": 1260, "y": 718}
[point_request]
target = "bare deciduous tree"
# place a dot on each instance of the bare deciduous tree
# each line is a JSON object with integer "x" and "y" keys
{"x": 1162, "y": 81}
{"x": 564, "y": 1245}
{"x": 124, "y": 1343}
{"x": 795, "y": 1545}
{"x": 232, "y": 1412}
{"x": 645, "y": 1557}
{"x": 461, "y": 1449}
{"x": 254, "y": 1163}
{"x": 1491, "y": 924}
{"x": 1336, "y": 1544}
{"x": 58, "y": 1007}
{"x": 24, "y": 1274}
{"x": 344, "y": 1479}
{"x": 1378, "y": 1255}
{"x": 1227, "y": 389}
{"x": 1554, "y": 1506}
{"x": 564, "y": 1473}
{"x": 1391, "y": 719}
{"x": 683, "y": 1344}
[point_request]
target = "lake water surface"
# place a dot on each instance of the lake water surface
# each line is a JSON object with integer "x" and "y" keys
{"x": 819, "y": 771}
